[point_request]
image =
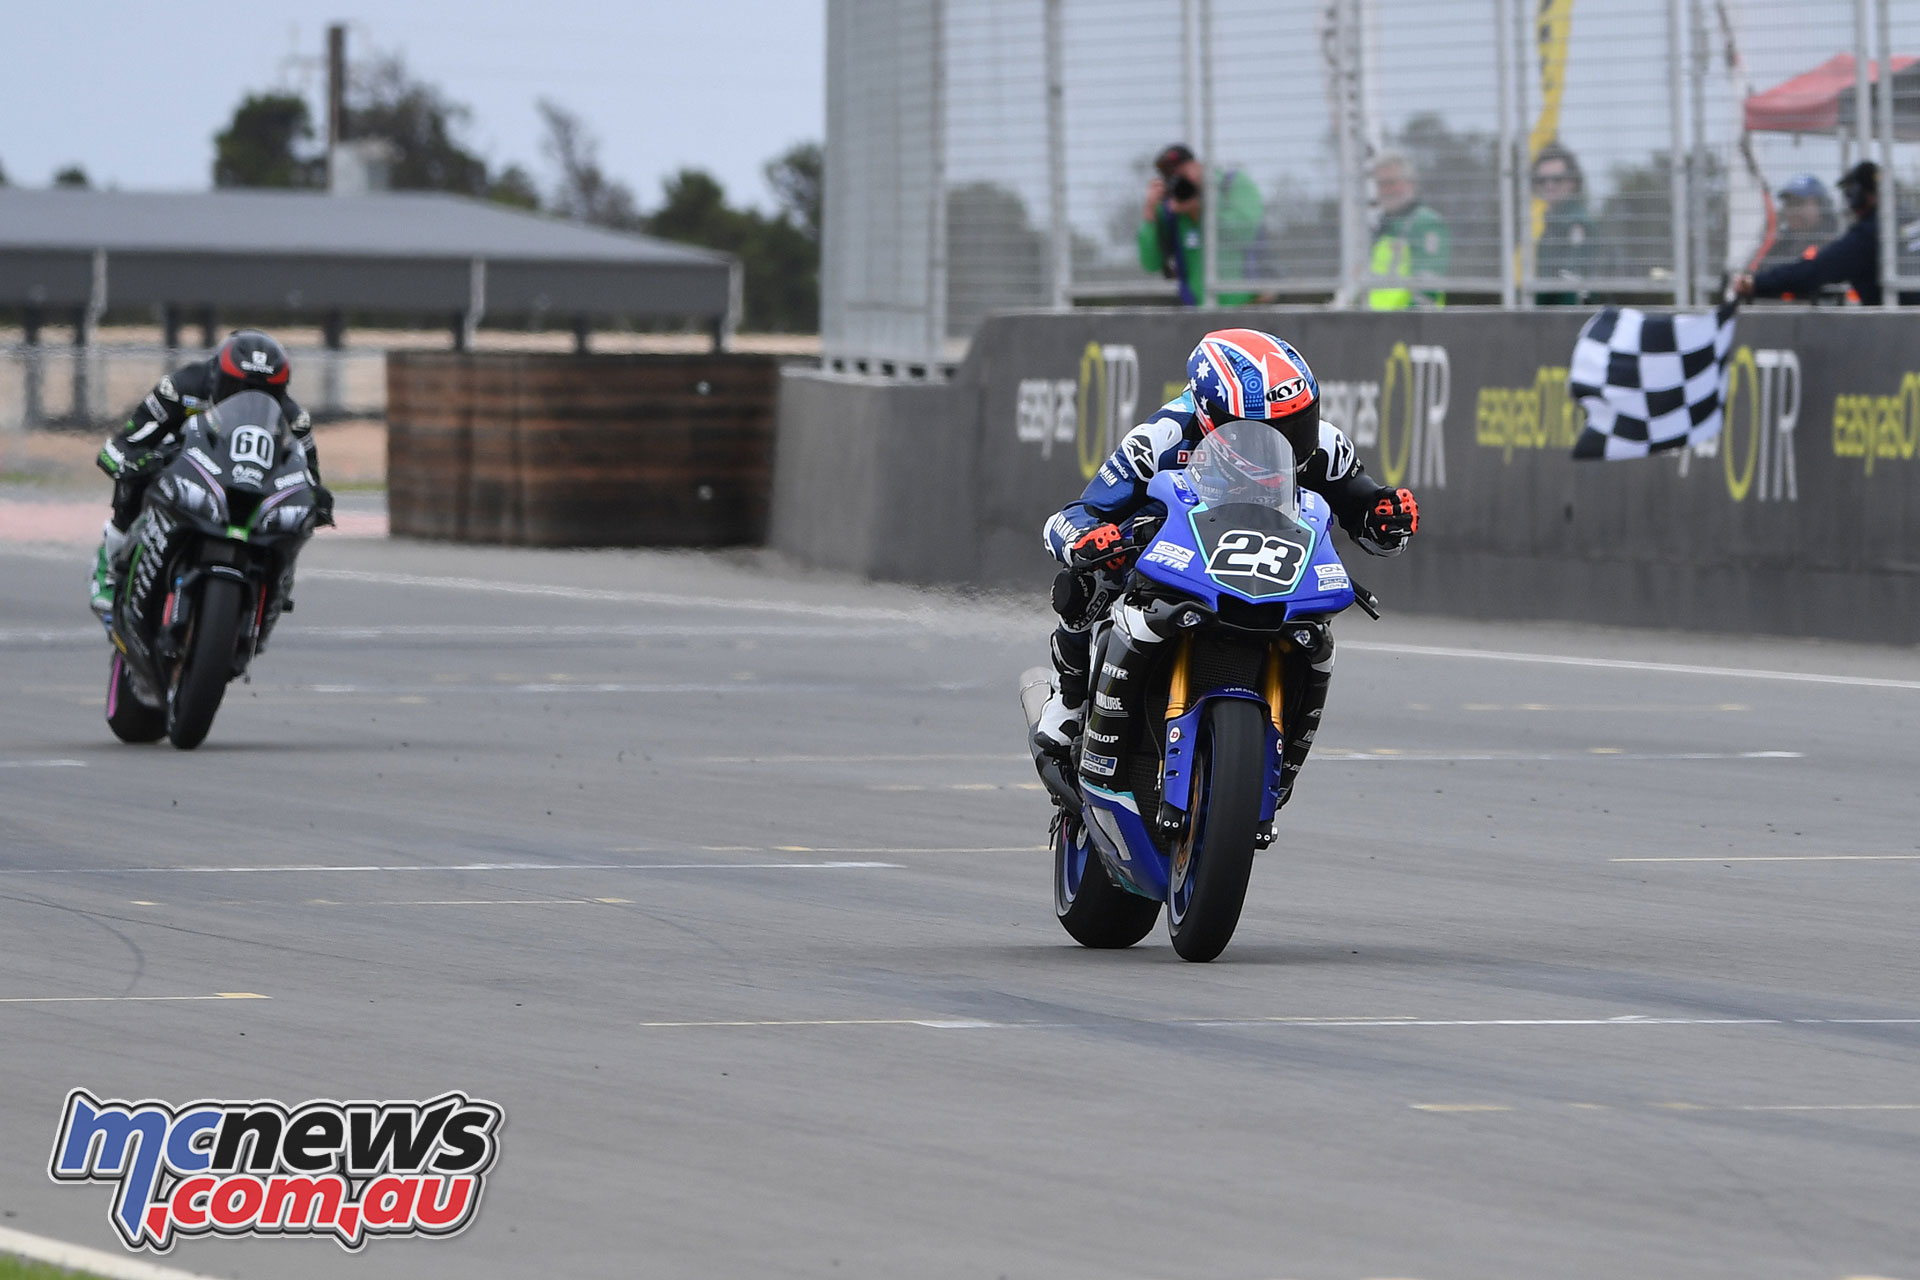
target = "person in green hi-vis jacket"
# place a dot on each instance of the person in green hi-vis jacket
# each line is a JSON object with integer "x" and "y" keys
{"x": 1172, "y": 241}
{"x": 1412, "y": 240}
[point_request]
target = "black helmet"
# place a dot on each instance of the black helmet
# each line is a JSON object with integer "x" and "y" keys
{"x": 250, "y": 359}
{"x": 1860, "y": 184}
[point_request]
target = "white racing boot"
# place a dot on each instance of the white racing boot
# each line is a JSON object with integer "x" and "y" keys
{"x": 1060, "y": 725}
{"x": 106, "y": 570}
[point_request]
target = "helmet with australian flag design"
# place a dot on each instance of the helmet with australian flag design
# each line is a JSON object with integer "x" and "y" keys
{"x": 1244, "y": 374}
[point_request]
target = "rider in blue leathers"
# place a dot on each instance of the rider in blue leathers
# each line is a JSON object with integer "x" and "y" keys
{"x": 1233, "y": 374}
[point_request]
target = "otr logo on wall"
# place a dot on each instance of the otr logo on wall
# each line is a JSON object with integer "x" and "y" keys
{"x": 1758, "y": 415}
{"x": 1400, "y": 420}
{"x": 1090, "y": 413}
{"x": 1413, "y": 416}
{"x": 1402, "y": 416}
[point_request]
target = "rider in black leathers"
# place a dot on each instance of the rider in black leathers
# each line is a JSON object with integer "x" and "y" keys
{"x": 248, "y": 360}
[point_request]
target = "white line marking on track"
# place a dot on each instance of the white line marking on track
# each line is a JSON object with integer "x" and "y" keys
{"x": 1627, "y": 664}
{"x": 610, "y": 631}
{"x": 954, "y": 786}
{"x": 323, "y": 868}
{"x": 758, "y": 688}
{"x": 1010, "y": 848}
{"x": 221, "y": 995}
{"x": 43, "y": 764}
{"x": 939, "y": 758}
{"x": 1295, "y": 1023}
{"x": 490, "y": 902}
{"x": 30, "y": 637}
{"x": 1398, "y": 756}
{"x": 94, "y": 1262}
{"x": 919, "y": 617}
{"x": 1791, "y": 857}
{"x": 1814, "y": 1106}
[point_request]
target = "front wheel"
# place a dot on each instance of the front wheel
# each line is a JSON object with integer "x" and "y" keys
{"x": 1095, "y": 910}
{"x": 131, "y": 719}
{"x": 1213, "y": 864}
{"x": 208, "y": 665}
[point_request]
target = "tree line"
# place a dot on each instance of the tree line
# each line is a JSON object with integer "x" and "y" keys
{"x": 272, "y": 141}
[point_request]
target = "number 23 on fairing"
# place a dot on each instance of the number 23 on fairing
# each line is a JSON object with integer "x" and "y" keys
{"x": 1269, "y": 558}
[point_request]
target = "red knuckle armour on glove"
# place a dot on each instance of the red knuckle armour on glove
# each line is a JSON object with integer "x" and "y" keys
{"x": 1394, "y": 516}
{"x": 1099, "y": 548}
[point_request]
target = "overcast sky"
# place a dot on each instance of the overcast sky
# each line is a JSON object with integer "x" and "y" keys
{"x": 134, "y": 90}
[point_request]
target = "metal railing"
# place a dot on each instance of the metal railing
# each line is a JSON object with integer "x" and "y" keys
{"x": 994, "y": 154}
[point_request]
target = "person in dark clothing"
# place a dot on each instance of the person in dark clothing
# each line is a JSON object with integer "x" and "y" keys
{"x": 248, "y": 360}
{"x": 1807, "y": 220}
{"x": 1853, "y": 259}
{"x": 1566, "y": 247}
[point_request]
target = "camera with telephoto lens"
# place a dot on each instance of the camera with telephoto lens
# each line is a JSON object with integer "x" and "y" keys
{"x": 1182, "y": 188}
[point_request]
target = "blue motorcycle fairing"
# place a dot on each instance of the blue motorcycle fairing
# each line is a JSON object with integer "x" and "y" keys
{"x": 1116, "y": 829}
{"x": 1176, "y": 785}
{"x": 1177, "y": 557}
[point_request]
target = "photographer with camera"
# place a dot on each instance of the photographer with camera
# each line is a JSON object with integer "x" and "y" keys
{"x": 1172, "y": 240}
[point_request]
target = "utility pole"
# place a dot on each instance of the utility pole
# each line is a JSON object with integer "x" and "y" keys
{"x": 336, "y": 97}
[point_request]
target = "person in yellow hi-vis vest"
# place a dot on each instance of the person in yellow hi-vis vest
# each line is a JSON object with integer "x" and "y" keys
{"x": 1411, "y": 240}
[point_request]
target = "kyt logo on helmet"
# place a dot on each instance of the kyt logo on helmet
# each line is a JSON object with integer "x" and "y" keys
{"x": 1237, "y": 374}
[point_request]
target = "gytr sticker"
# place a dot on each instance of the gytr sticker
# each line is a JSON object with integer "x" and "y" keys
{"x": 352, "y": 1170}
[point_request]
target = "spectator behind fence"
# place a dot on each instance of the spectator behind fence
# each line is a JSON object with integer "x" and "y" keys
{"x": 1807, "y": 221}
{"x": 1565, "y": 250}
{"x": 1411, "y": 240}
{"x": 1171, "y": 239}
{"x": 1854, "y": 258}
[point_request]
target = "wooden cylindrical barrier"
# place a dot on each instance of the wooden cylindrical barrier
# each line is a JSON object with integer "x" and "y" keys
{"x": 580, "y": 451}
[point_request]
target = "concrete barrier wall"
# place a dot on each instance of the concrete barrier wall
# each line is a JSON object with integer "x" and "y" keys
{"x": 877, "y": 476}
{"x": 551, "y": 450}
{"x": 1804, "y": 520}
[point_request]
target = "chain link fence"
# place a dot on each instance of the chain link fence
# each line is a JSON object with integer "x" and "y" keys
{"x": 988, "y": 155}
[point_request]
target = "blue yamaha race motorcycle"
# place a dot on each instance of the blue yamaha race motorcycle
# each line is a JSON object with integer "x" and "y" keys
{"x": 1200, "y": 672}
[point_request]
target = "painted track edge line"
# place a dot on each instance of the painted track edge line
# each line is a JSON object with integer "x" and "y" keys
{"x": 1627, "y": 664}
{"x": 78, "y": 1257}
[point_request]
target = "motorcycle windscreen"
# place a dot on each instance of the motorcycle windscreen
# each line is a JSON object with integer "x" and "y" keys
{"x": 247, "y": 434}
{"x": 1250, "y": 537}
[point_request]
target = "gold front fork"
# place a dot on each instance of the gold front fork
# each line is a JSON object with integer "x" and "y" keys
{"x": 1177, "y": 696}
{"x": 1273, "y": 691}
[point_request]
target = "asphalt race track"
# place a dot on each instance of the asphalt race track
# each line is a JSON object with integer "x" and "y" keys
{"x": 1584, "y": 953}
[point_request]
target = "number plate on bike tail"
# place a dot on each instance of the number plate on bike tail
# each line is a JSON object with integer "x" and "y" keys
{"x": 1251, "y": 550}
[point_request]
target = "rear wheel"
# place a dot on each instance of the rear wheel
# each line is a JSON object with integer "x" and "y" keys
{"x": 1213, "y": 864}
{"x": 130, "y": 719}
{"x": 204, "y": 673}
{"x": 1095, "y": 910}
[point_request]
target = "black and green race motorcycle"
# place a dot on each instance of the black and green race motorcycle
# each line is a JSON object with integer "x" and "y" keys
{"x": 209, "y": 563}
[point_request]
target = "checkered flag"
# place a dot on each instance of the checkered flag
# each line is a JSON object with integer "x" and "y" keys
{"x": 1649, "y": 383}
